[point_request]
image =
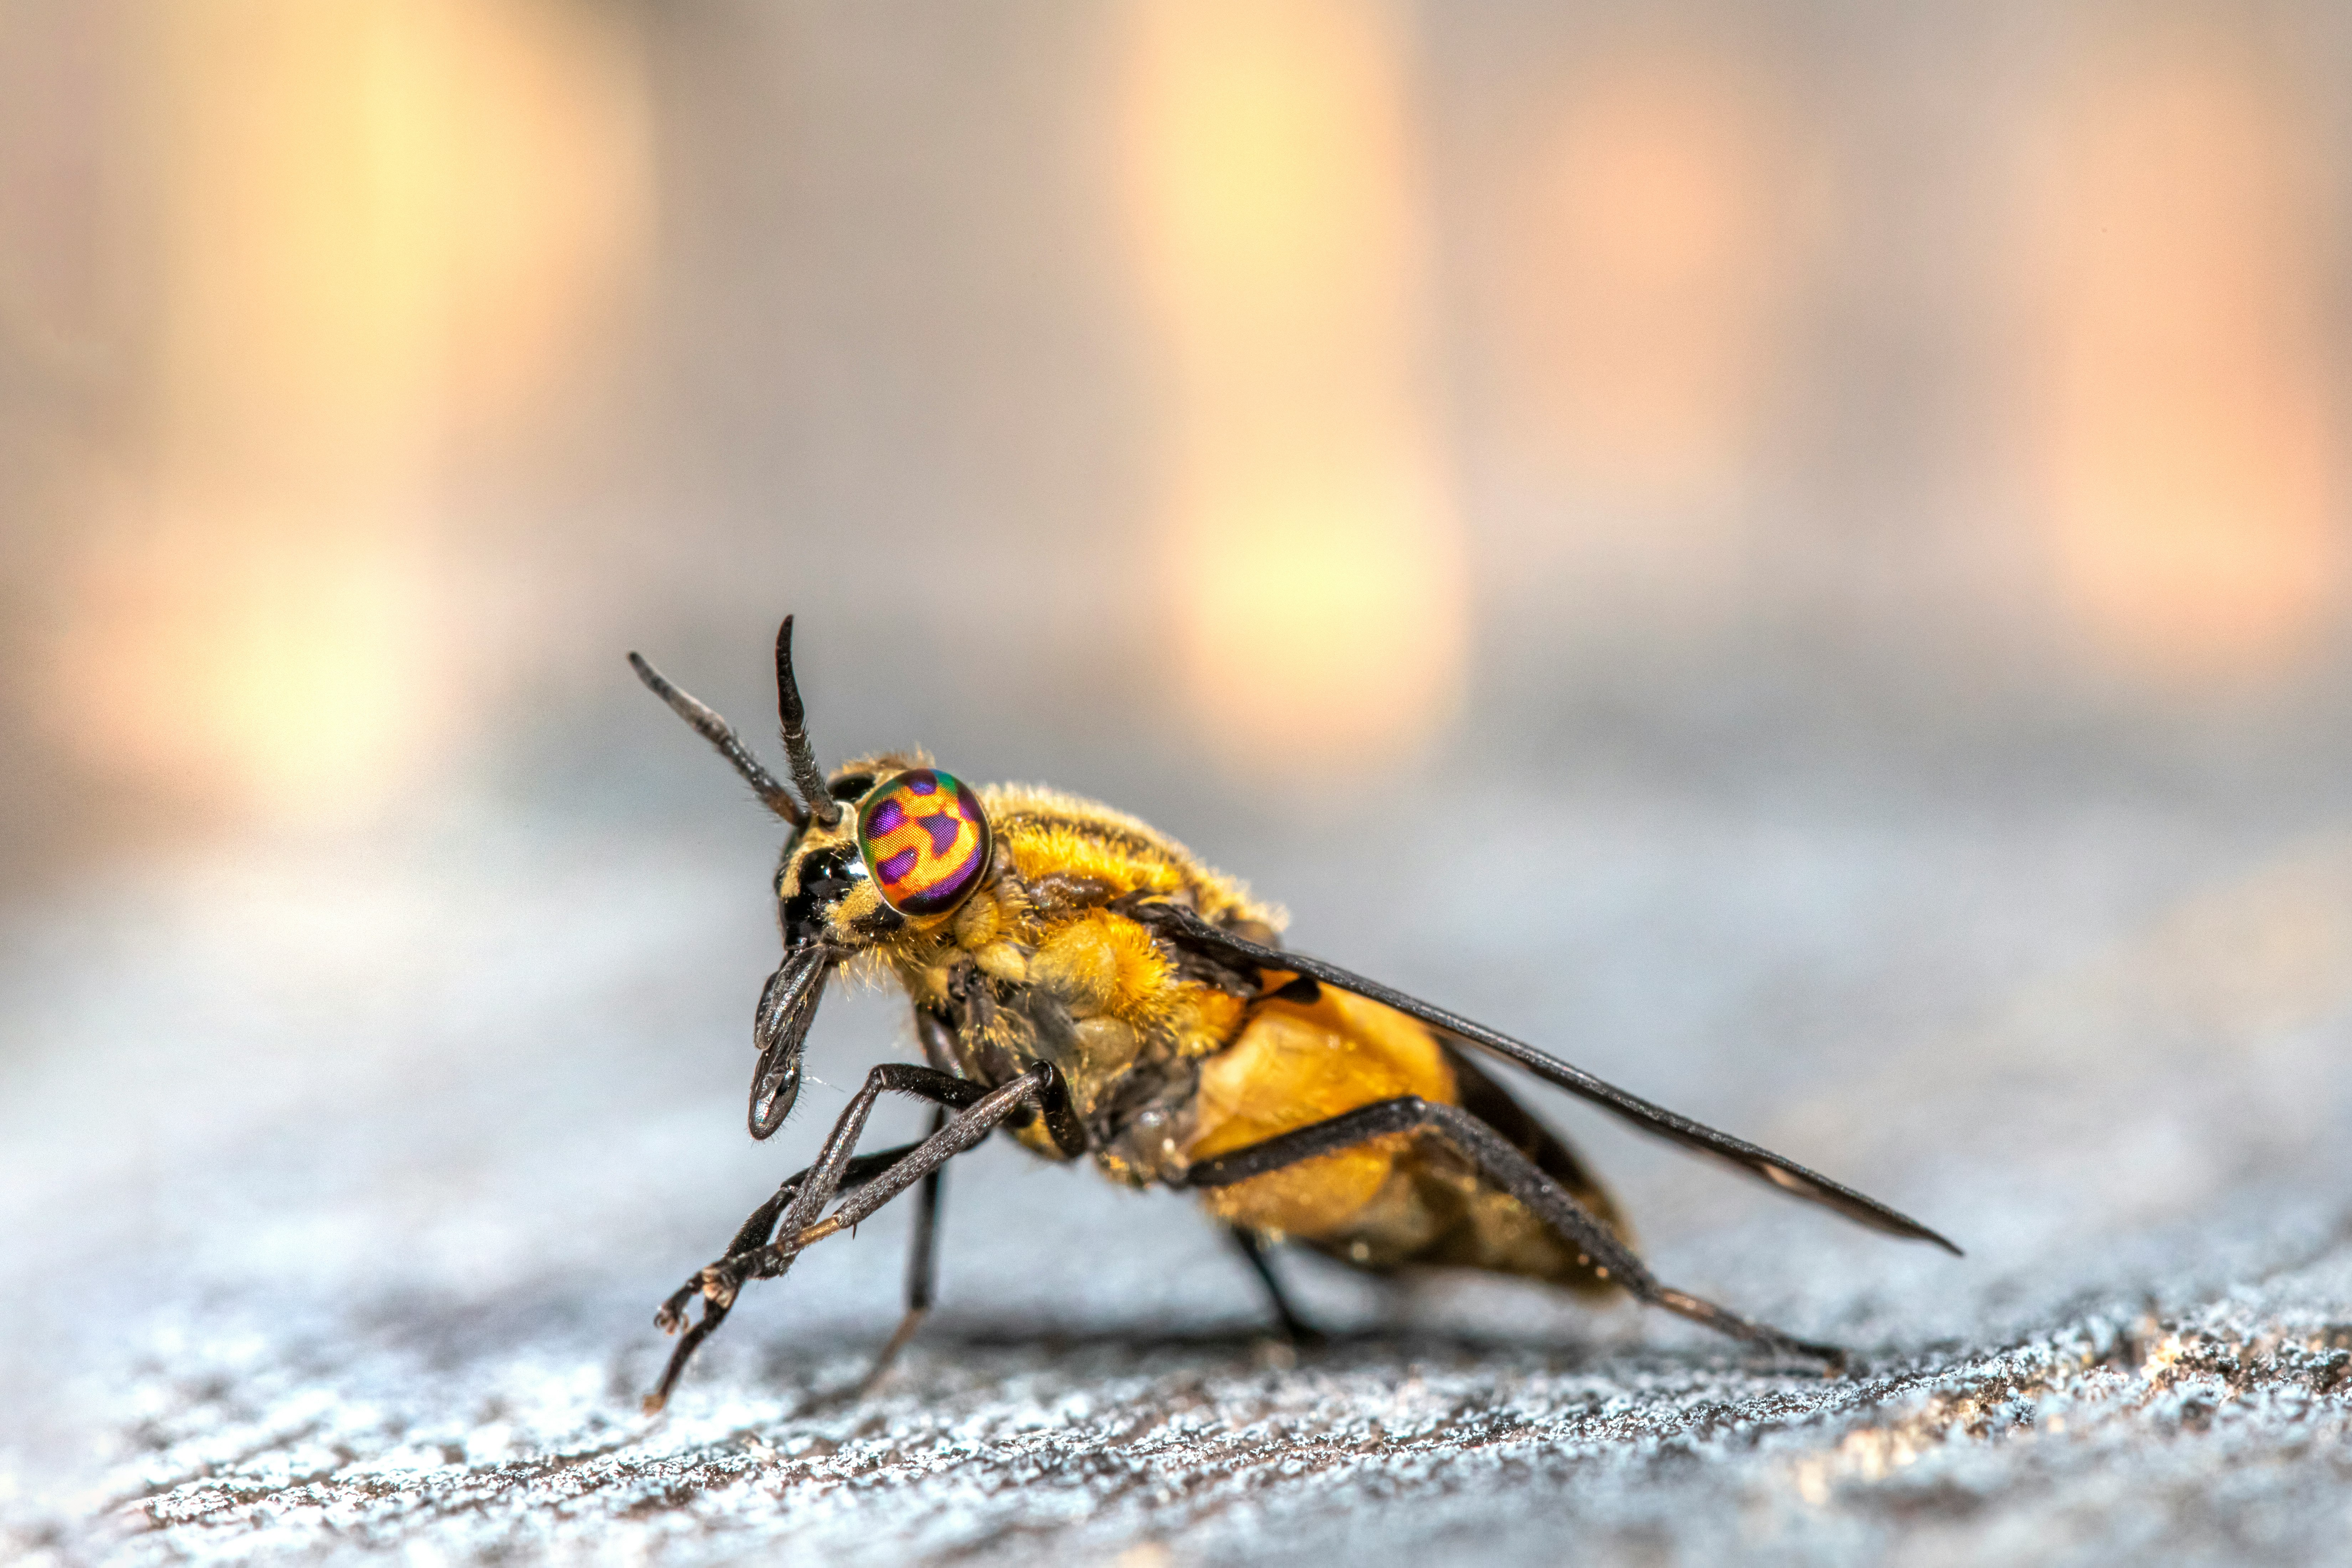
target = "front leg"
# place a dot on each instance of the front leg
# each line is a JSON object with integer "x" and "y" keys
{"x": 1040, "y": 1086}
{"x": 865, "y": 1183}
{"x": 670, "y": 1318}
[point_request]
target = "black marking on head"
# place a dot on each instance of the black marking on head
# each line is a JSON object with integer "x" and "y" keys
{"x": 880, "y": 921}
{"x": 827, "y": 876}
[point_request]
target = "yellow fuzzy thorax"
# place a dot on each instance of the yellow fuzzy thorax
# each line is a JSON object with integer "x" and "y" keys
{"x": 1044, "y": 833}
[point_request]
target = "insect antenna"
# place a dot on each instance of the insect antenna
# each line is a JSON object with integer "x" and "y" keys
{"x": 797, "y": 750}
{"x": 716, "y": 730}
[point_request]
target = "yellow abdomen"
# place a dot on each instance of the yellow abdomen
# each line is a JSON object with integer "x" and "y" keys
{"x": 1296, "y": 1065}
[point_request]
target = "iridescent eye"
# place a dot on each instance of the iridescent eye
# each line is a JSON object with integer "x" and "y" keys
{"x": 925, "y": 840}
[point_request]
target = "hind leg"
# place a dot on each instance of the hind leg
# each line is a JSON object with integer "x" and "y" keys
{"x": 1497, "y": 1161}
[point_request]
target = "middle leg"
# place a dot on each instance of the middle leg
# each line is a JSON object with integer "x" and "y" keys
{"x": 1294, "y": 1329}
{"x": 922, "y": 1265}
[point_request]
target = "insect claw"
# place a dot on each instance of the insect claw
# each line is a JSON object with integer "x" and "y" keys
{"x": 718, "y": 1286}
{"x": 670, "y": 1316}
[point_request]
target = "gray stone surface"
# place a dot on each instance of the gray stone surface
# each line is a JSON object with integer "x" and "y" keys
{"x": 338, "y": 1185}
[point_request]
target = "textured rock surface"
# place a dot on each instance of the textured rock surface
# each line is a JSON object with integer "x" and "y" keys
{"x": 338, "y": 1188}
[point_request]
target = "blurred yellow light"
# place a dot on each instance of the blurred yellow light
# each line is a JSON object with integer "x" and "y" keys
{"x": 2189, "y": 446}
{"x": 382, "y": 225}
{"x": 259, "y": 665}
{"x": 1320, "y": 626}
{"x": 1660, "y": 217}
{"x": 1316, "y": 563}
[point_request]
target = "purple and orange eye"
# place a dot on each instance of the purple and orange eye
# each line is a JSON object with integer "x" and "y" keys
{"x": 926, "y": 841}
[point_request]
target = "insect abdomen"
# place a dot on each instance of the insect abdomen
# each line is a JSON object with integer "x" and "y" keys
{"x": 1395, "y": 1201}
{"x": 1293, "y": 1065}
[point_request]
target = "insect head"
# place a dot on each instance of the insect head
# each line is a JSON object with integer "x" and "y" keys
{"x": 921, "y": 841}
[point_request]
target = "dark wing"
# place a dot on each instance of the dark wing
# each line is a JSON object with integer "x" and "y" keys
{"x": 1188, "y": 930}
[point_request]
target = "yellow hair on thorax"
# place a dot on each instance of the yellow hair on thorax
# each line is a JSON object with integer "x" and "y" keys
{"x": 1044, "y": 833}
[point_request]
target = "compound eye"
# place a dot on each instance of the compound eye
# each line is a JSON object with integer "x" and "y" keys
{"x": 925, "y": 840}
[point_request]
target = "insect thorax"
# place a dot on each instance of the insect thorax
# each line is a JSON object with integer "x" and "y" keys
{"x": 1045, "y": 963}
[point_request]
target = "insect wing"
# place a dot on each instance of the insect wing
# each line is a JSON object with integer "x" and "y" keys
{"x": 1190, "y": 929}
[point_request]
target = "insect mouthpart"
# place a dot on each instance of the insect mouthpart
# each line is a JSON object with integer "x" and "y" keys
{"x": 779, "y": 1030}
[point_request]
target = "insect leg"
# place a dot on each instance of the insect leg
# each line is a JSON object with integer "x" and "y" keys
{"x": 754, "y": 1232}
{"x": 1186, "y": 928}
{"x": 1041, "y": 1086}
{"x": 1512, "y": 1171}
{"x": 1294, "y": 1329}
{"x": 922, "y": 1264}
{"x": 811, "y": 1189}
{"x": 670, "y": 1318}
{"x": 983, "y": 1111}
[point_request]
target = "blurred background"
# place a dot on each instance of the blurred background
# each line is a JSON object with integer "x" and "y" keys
{"x": 1861, "y": 493}
{"x": 1237, "y": 389}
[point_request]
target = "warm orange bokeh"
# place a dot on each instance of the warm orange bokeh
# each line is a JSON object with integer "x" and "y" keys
{"x": 1314, "y": 558}
{"x": 2187, "y": 429}
{"x": 1659, "y": 219}
{"x": 1662, "y": 215}
{"x": 377, "y": 225}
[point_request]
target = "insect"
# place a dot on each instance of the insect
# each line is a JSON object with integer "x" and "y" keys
{"x": 1085, "y": 983}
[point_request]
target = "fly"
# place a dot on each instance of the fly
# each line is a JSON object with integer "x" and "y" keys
{"x": 1085, "y": 983}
